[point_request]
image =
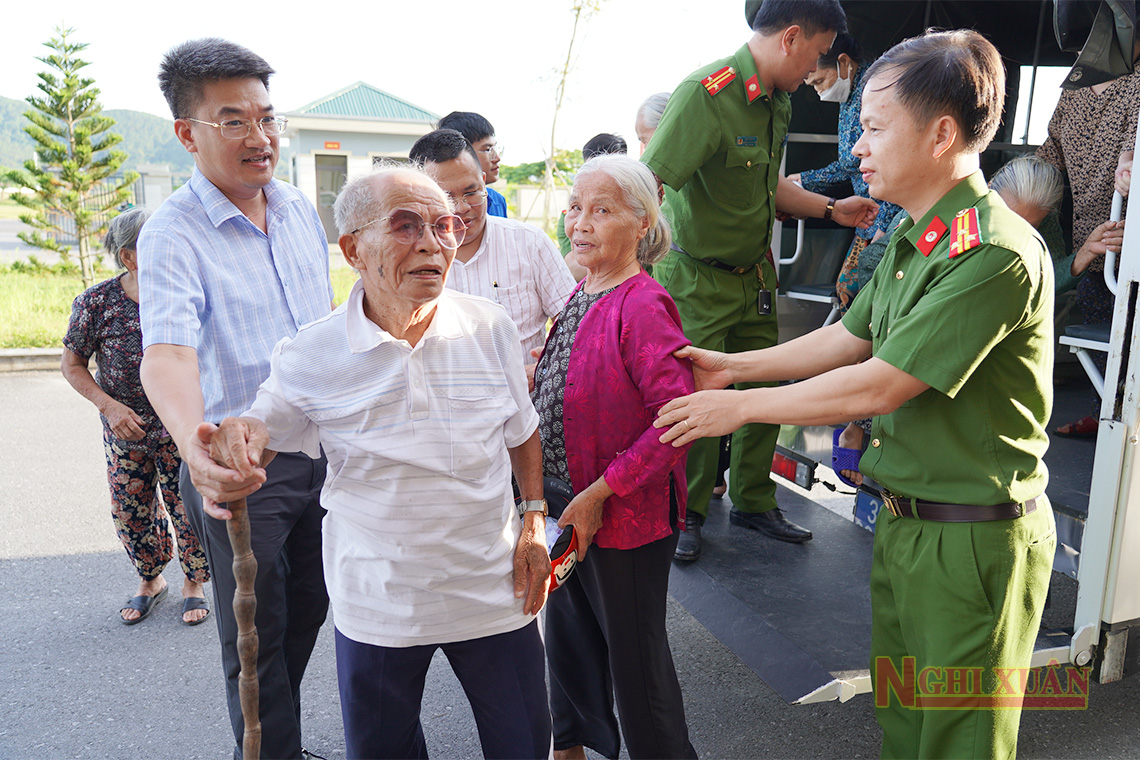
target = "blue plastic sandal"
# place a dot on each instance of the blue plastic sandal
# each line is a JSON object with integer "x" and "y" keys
{"x": 844, "y": 459}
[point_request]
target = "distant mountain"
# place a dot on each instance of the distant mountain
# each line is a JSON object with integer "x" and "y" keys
{"x": 15, "y": 146}
{"x": 147, "y": 139}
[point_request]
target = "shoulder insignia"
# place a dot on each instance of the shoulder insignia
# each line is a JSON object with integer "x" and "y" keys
{"x": 716, "y": 81}
{"x": 931, "y": 235}
{"x": 966, "y": 233}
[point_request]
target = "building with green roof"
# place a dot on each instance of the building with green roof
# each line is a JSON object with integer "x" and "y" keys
{"x": 339, "y": 136}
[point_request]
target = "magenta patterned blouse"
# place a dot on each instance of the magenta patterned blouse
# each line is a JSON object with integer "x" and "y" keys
{"x": 621, "y": 371}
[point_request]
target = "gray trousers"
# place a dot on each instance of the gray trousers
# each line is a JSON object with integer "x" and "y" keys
{"x": 285, "y": 532}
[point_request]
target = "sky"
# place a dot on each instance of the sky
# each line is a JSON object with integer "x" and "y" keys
{"x": 497, "y": 58}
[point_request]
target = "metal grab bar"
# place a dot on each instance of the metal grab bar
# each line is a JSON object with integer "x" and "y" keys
{"x": 1110, "y": 256}
{"x": 799, "y": 245}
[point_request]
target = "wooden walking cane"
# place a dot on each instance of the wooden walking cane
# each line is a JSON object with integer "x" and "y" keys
{"x": 245, "y": 607}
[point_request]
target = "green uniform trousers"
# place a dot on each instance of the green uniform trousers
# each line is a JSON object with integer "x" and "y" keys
{"x": 719, "y": 312}
{"x": 956, "y": 597}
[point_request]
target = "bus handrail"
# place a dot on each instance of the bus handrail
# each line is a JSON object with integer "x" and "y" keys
{"x": 1110, "y": 256}
{"x": 799, "y": 246}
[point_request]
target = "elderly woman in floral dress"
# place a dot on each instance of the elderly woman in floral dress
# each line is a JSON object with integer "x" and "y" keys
{"x": 141, "y": 457}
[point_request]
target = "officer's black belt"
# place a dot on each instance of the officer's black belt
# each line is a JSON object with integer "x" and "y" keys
{"x": 714, "y": 262}
{"x": 901, "y": 506}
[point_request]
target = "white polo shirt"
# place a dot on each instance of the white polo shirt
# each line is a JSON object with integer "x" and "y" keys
{"x": 518, "y": 266}
{"x": 421, "y": 528}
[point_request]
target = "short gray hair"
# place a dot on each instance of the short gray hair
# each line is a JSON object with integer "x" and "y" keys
{"x": 639, "y": 190}
{"x": 649, "y": 112}
{"x": 123, "y": 232}
{"x": 1032, "y": 181}
{"x": 357, "y": 200}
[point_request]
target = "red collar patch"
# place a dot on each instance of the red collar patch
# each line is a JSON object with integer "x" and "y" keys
{"x": 967, "y": 234}
{"x": 931, "y": 235}
{"x": 752, "y": 88}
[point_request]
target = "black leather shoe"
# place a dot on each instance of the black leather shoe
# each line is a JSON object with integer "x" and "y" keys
{"x": 771, "y": 523}
{"x": 689, "y": 543}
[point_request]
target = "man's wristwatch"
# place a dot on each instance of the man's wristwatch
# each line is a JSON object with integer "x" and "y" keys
{"x": 829, "y": 210}
{"x": 531, "y": 505}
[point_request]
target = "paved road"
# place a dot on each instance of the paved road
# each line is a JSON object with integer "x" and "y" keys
{"x": 74, "y": 683}
{"x": 14, "y": 249}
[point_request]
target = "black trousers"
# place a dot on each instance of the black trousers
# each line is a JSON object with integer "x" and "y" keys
{"x": 285, "y": 532}
{"x": 381, "y": 689}
{"x": 606, "y": 638}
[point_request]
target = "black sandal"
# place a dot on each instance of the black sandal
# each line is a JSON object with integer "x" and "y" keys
{"x": 191, "y": 603}
{"x": 144, "y": 605}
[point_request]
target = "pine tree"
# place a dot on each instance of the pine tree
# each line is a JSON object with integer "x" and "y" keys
{"x": 70, "y": 196}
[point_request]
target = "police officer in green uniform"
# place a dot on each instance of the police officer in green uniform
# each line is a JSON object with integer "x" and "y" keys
{"x": 951, "y": 345}
{"x": 719, "y": 146}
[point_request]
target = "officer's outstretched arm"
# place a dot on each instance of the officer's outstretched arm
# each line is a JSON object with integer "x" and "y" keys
{"x": 806, "y": 356}
{"x": 841, "y": 395}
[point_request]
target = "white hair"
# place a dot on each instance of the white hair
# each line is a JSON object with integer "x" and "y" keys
{"x": 357, "y": 203}
{"x": 1032, "y": 181}
{"x": 649, "y": 112}
{"x": 639, "y": 191}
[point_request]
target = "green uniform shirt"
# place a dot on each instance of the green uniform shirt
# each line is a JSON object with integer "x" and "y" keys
{"x": 560, "y": 231}
{"x": 977, "y": 328}
{"x": 721, "y": 152}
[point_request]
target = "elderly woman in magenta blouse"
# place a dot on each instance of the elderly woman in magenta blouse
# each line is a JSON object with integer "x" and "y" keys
{"x": 607, "y": 367}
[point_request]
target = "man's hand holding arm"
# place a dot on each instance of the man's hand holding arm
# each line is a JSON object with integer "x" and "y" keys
{"x": 818, "y": 354}
{"x": 170, "y": 378}
{"x": 807, "y": 356}
{"x": 532, "y": 560}
{"x": 837, "y": 396}
{"x": 854, "y": 211}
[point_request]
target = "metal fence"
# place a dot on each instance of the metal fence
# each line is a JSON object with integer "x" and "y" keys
{"x": 101, "y": 195}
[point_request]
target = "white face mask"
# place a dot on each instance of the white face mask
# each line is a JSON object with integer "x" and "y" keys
{"x": 840, "y": 90}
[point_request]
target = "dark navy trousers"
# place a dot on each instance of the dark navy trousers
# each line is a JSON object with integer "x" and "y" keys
{"x": 503, "y": 676}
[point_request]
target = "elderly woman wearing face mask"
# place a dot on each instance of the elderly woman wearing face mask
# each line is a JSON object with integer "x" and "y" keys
{"x": 838, "y": 78}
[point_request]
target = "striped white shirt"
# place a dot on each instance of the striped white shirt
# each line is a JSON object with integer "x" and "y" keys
{"x": 211, "y": 280}
{"x": 421, "y": 528}
{"x": 518, "y": 266}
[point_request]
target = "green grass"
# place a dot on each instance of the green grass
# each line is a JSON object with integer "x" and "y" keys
{"x": 9, "y": 209}
{"x": 342, "y": 281}
{"x": 35, "y": 305}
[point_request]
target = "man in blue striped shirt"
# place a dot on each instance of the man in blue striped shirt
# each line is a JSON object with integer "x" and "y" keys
{"x": 231, "y": 263}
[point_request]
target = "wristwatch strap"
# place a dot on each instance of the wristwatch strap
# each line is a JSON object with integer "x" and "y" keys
{"x": 531, "y": 505}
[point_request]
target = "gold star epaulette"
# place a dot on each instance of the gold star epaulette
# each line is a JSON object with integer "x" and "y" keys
{"x": 718, "y": 80}
{"x": 966, "y": 232}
